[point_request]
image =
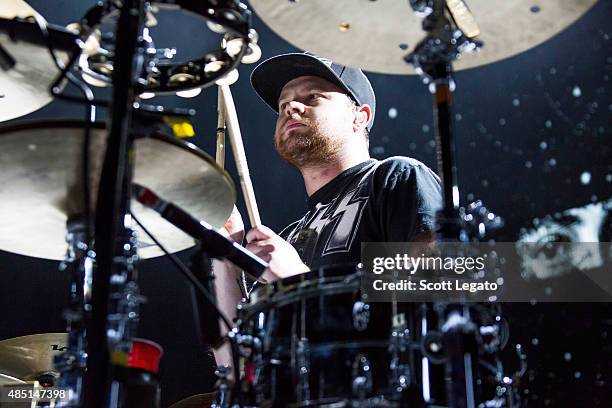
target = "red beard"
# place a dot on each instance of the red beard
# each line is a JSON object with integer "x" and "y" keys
{"x": 307, "y": 147}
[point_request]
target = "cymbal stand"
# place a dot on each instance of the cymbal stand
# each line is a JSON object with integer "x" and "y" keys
{"x": 432, "y": 59}
{"x": 114, "y": 290}
{"x": 79, "y": 260}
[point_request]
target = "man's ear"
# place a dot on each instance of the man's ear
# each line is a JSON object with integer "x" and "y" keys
{"x": 363, "y": 115}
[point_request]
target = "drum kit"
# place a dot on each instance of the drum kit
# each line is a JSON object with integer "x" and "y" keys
{"x": 91, "y": 194}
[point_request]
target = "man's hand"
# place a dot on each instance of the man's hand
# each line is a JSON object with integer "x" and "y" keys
{"x": 234, "y": 227}
{"x": 283, "y": 260}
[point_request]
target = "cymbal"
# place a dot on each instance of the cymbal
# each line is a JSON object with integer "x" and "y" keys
{"x": 25, "y": 358}
{"x": 9, "y": 380}
{"x": 41, "y": 179}
{"x": 24, "y": 88}
{"x": 15, "y": 8}
{"x": 196, "y": 401}
{"x": 376, "y": 35}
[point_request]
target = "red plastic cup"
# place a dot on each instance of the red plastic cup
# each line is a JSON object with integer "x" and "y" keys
{"x": 145, "y": 354}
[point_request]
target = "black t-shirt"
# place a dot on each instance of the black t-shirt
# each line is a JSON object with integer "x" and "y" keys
{"x": 375, "y": 201}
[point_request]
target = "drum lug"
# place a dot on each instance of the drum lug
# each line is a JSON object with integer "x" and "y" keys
{"x": 361, "y": 315}
{"x": 399, "y": 345}
{"x": 362, "y": 377}
{"x": 303, "y": 365}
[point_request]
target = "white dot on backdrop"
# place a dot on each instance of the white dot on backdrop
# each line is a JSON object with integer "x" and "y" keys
{"x": 577, "y": 92}
{"x": 585, "y": 177}
{"x": 392, "y": 113}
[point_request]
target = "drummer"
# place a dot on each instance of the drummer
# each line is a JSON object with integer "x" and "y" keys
{"x": 325, "y": 114}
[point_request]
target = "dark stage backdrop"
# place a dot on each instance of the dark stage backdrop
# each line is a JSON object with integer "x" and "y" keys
{"x": 533, "y": 139}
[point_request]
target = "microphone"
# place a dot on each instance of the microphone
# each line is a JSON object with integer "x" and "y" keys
{"x": 211, "y": 241}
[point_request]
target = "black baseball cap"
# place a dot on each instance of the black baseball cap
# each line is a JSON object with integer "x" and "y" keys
{"x": 269, "y": 78}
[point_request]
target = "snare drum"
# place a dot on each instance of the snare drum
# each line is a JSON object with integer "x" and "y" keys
{"x": 315, "y": 340}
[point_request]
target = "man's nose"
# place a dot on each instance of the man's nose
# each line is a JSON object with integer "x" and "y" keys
{"x": 294, "y": 107}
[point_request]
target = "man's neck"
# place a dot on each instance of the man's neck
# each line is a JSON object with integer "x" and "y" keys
{"x": 317, "y": 177}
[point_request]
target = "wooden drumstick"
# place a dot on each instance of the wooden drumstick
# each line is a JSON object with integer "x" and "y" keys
{"x": 220, "y": 155}
{"x": 235, "y": 137}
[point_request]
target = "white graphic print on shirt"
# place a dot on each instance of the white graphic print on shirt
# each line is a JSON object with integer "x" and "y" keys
{"x": 336, "y": 222}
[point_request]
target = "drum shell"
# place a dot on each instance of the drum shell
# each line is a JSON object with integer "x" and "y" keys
{"x": 317, "y": 334}
{"x": 311, "y": 331}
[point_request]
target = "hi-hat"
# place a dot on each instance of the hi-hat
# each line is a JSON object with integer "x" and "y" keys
{"x": 24, "y": 87}
{"x": 40, "y": 186}
{"x": 26, "y": 358}
{"x": 376, "y": 35}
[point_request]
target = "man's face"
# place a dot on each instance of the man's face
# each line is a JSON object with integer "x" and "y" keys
{"x": 314, "y": 123}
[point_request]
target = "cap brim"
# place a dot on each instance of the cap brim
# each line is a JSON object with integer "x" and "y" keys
{"x": 269, "y": 77}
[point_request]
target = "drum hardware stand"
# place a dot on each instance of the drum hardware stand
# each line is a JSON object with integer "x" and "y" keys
{"x": 211, "y": 243}
{"x": 231, "y": 393}
{"x": 109, "y": 334}
{"x": 461, "y": 349}
{"x": 79, "y": 259}
{"x": 432, "y": 59}
{"x": 224, "y": 388}
{"x": 110, "y": 295}
{"x": 399, "y": 346}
